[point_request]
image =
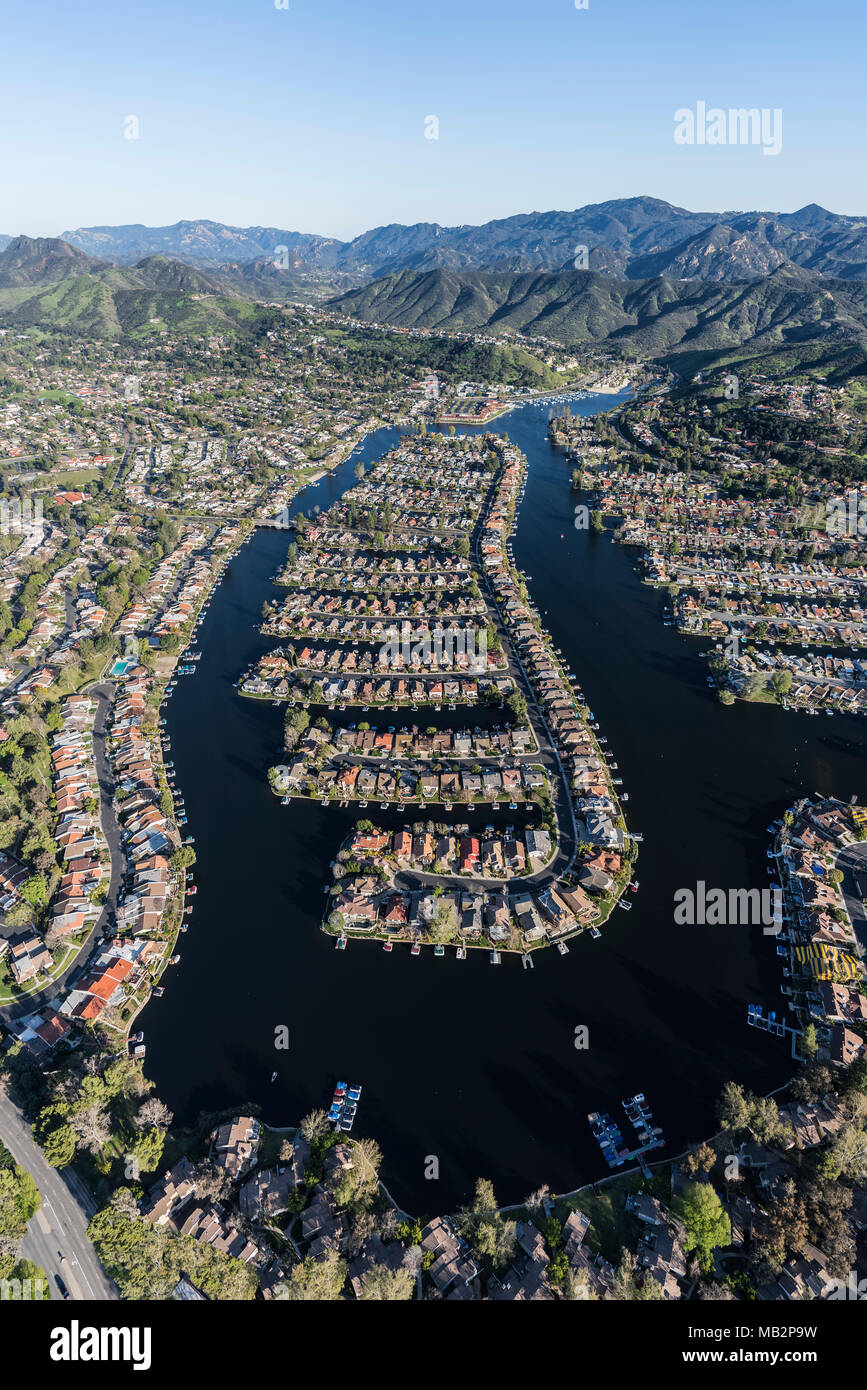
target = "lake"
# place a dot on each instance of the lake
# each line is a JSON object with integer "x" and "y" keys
{"x": 475, "y": 1065}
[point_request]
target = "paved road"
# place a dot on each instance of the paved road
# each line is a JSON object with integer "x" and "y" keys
{"x": 60, "y": 1225}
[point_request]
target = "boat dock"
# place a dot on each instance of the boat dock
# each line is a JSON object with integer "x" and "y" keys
{"x": 344, "y": 1105}
{"x": 615, "y": 1149}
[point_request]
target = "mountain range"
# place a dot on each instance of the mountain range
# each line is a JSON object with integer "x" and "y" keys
{"x": 52, "y": 285}
{"x": 633, "y": 238}
{"x": 46, "y": 283}
{"x": 655, "y": 316}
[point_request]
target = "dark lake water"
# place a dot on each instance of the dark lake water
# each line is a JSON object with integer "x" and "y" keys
{"x": 475, "y": 1064}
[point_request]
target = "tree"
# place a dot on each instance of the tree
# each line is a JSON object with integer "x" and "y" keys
{"x": 811, "y": 1082}
{"x": 387, "y": 1285}
{"x": 52, "y": 1132}
{"x": 148, "y": 1149}
{"x": 707, "y": 1224}
{"x": 537, "y": 1200}
{"x": 781, "y": 682}
{"x": 699, "y": 1160}
{"x": 575, "y": 1286}
{"x": 488, "y": 1233}
{"x": 356, "y": 1186}
{"x": 314, "y": 1126}
{"x": 91, "y": 1125}
{"x": 733, "y": 1108}
{"x": 153, "y": 1112}
{"x": 444, "y": 924}
{"x": 631, "y": 1285}
{"x": 787, "y": 1226}
{"x": 146, "y": 1261}
{"x": 847, "y": 1155}
{"x": 315, "y": 1281}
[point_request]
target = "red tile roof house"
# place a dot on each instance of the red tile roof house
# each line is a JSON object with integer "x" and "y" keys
{"x": 469, "y": 856}
{"x": 357, "y": 912}
{"x": 394, "y": 914}
{"x": 402, "y": 844}
{"x": 369, "y": 841}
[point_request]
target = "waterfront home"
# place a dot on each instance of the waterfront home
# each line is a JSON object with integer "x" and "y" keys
{"x": 498, "y": 917}
{"x": 575, "y": 1228}
{"x": 358, "y": 912}
{"x": 101, "y": 988}
{"x": 842, "y": 1003}
{"x": 515, "y": 855}
{"x": 538, "y": 845}
{"x": 470, "y": 921}
{"x": 234, "y": 1144}
{"x": 368, "y": 841}
{"x": 556, "y": 911}
{"x": 578, "y": 903}
{"x": 530, "y": 922}
{"x": 394, "y": 913}
{"x": 453, "y": 1265}
{"x": 468, "y": 855}
{"x": 423, "y": 849}
{"x": 492, "y": 858}
{"x": 402, "y": 845}
{"x": 445, "y": 850}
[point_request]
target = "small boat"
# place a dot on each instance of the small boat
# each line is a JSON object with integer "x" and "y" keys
{"x": 595, "y": 932}
{"x": 273, "y": 1077}
{"x": 461, "y": 953}
{"x": 415, "y": 949}
{"x": 387, "y": 945}
{"x": 562, "y": 948}
{"x": 495, "y": 958}
{"x": 340, "y": 943}
{"x": 439, "y": 950}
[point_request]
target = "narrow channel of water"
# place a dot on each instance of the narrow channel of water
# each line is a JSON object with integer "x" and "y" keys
{"x": 474, "y": 1064}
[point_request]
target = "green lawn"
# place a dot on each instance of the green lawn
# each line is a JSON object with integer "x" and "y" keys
{"x": 612, "y": 1226}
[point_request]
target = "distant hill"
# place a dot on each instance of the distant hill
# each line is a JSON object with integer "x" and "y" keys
{"x": 40, "y": 261}
{"x": 652, "y": 316}
{"x": 631, "y": 238}
{"x": 202, "y": 243}
{"x": 47, "y": 283}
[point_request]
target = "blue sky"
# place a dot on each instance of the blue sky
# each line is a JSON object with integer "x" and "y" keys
{"x": 312, "y": 118}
